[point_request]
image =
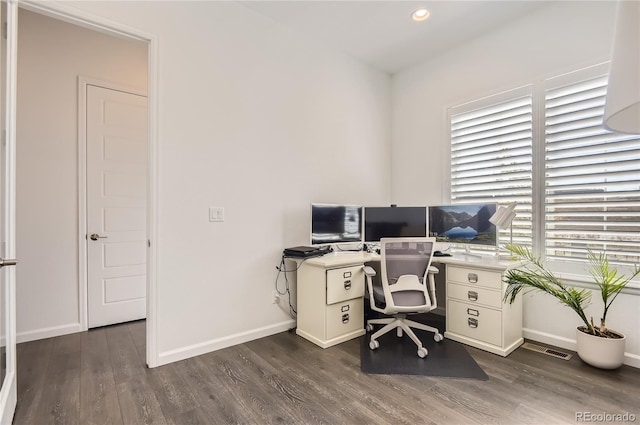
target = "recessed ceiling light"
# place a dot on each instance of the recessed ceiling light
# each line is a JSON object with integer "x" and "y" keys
{"x": 420, "y": 14}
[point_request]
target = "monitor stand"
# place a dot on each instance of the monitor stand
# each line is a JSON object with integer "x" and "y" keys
{"x": 467, "y": 251}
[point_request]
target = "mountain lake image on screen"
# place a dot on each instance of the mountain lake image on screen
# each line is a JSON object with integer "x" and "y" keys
{"x": 463, "y": 224}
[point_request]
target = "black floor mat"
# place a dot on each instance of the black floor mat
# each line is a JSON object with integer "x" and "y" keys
{"x": 399, "y": 356}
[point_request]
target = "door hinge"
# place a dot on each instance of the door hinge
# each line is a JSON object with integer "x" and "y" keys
{"x": 149, "y": 243}
{"x": 5, "y": 30}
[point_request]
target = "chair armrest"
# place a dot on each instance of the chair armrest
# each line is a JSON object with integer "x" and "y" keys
{"x": 369, "y": 271}
{"x": 432, "y": 289}
{"x": 433, "y": 270}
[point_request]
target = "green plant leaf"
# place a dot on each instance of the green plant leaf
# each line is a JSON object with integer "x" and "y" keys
{"x": 534, "y": 276}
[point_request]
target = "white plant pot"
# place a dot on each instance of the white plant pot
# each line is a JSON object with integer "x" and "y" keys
{"x": 605, "y": 353}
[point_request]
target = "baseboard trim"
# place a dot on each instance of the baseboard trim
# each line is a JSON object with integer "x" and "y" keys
{"x": 171, "y": 356}
{"x": 550, "y": 339}
{"x": 630, "y": 359}
{"x": 167, "y": 357}
{"x": 48, "y": 332}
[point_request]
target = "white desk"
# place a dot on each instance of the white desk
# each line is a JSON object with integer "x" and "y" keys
{"x": 330, "y": 300}
{"x": 330, "y": 303}
{"x": 475, "y": 313}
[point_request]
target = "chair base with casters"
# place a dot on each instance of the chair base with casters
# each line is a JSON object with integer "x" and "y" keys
{"x": 402, "y": 325}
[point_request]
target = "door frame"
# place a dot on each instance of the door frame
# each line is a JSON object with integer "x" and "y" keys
{"x": 83, "y": 83}
{"x": 9, "y": 392}
{"x": 100, "y": 24}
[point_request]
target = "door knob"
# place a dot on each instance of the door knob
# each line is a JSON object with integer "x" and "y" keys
{"x": 95, "y": 237}
{"x": 7, "y": 262}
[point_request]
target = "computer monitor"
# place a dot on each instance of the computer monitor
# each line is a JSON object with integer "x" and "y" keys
{"x": 394, "y": 222}
{"x": 463, "y": 224}
{"x": 334, "y": 224}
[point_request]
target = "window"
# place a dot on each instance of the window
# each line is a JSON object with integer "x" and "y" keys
{"x": 589, "y": 177}
{"x": 491, "y": 157}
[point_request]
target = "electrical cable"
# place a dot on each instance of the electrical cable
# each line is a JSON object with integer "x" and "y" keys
{"x": 347, "y": 250}
{"x": 287, "y": 290}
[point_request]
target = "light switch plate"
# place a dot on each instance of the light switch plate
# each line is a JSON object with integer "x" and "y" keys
{"x": 216, "y": 214}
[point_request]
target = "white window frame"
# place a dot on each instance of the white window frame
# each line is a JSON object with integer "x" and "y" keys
{"x": 506, "y": 96}
{"x": 560, "y": 81}
{"x": 537, "y": 90}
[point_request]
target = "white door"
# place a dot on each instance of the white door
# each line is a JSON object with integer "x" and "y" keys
{"x": 116, "y": 205}
{"x": 8, "y": 392}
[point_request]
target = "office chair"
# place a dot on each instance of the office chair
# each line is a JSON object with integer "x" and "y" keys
{"x": 405, "y": 268}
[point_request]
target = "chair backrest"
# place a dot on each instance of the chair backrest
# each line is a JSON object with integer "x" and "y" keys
{"x": 405, "y": 256}
{"x": 405, "y": 265}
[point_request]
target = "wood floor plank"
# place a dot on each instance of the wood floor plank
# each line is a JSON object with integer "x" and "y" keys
{"x": 341, "y": 365}
{"x": 100, "y": 377}
{"x": 67, "y": 343}
{"x": 526, "y": 414}
{"x": 314, "y": 381}
{"x": 290, "y": 395}
{"x": 138, "y": 331}
{"x": 561, "y": 388}
{"x": 60, "y": 401}
{"x": 240, "y": 384}
{"x": 98, "y": 399}
{"x": 32, "y": 363}
{"x": 333, "y": 374}
{"x": 138, "y": 402}
{"x": 125, "y": 360}
{"x": 194, "y": 416}
{"x": 415, "y": 392}
{"x": 217, "y": 406}
{"x": 173, "y": 394}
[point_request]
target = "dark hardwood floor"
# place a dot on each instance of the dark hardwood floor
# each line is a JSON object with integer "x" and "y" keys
{"x": 99, "y": 377}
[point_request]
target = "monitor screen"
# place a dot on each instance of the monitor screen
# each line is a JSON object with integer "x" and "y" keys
{"x": 466, "y": 224}
{"x": 332, "y": 224}
{"x": 394, "y": 222}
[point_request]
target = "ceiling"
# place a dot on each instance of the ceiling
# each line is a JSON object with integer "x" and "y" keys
{"x": 382, "y": 33}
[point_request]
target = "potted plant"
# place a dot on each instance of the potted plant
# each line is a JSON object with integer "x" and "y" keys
{"x": 596, "y": 344}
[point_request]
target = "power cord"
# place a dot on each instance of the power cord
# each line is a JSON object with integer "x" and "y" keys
{"x": 358, "y": 249}
{"x": 287, "y": 290}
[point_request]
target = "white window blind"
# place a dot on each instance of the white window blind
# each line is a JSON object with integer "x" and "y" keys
{"x": 592, "y": 177}
{"x": 491, "y": 157}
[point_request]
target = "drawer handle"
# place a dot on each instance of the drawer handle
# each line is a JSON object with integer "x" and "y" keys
{"x": 472, "y": 277}
{"x": 344, "y": 308}
{"x": 347, "y": 284}
{"x": 473, "y": 323}
{"x": 345, "y": 318}
{"x": 473, "y": 312}
{"x": 473, "y": 295}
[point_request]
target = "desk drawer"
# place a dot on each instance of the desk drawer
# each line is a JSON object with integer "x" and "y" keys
{"x": 475, "y": 277}
{"x": 475, "y": 295}
{"x": 344, "y": 317}
{"x": 475, "y": 322}
{"x": 344, "y": 284}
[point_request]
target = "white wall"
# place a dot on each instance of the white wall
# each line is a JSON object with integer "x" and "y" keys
{"x": 256, "y": 120}
{"x": 51, "y": 56}
{"x": 552, "y": 40}
{"x": 559, "y": 38}
{"x": 244, "y": 105}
